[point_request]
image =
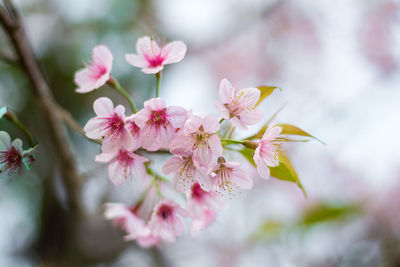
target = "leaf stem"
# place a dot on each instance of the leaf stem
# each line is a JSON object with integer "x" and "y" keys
{"x": 14, "y": 119}
{"x": 115, "y": 84}
{"x": 158, "y": 83}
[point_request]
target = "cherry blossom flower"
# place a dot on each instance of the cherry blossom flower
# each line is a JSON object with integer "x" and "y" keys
{"x": 128, "y": 219}
{"x": 109, "y": 125}
{"x": 202, "y": 207}
{"x": 97, "y": 73}
{"x": 229, "y": 178}
{"x": 199, "y": 136}
{"x": 12, "y": 156}
{"x": 165, "y": 222}
{"x": 123, "y": 165}
{"x": 267, "y": 152}
{"x": 238, "y": 105}
{"x": 159, "y": 123}
{"x": 186, "y": 173}
{"x": 152, "y": 58}
{"x": 134, "y": 130}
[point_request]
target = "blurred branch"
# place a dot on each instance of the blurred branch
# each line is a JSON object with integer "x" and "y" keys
{"x": 7, "y": 58}
{"x": 10, "y": 21}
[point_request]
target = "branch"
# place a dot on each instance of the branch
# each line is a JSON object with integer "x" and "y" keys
{"x": 10, "y": 21}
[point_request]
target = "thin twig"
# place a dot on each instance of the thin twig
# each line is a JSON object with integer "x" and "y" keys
{"x": 9, "y": 19}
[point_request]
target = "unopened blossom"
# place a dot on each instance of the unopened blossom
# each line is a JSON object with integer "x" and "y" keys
{"x": 202, "y": 207}
{"x": 158, "y": 123}
{"x": 152, "y": 58}
{"x": 12, "y": 156}
{"x": 229, "y": 178}
{"x": 96, "y": 73}
{"x": 238, "y": 105}
{"x": 267, "y": 152}
{"x": 134, "y": 130}
{"x": 109, "y": 125}
{"x": 186, "y": 173}
{"x": 128, "y": 219}
{"x": 123, "y": 165}
{"x": 166, "y": 220}
{"x": 199, "y": 136}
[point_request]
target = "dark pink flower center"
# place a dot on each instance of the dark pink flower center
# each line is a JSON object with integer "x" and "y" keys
{"x": 133, "y": 128}
{"x": 155, "y": 60}
{"x": 124, "y": 158}
{"x": 113, "y": 126}
{"x": 159, "y": 118}
{"x": 98, "y": 71}
{"x": 197, "y": 192}
{"x": 165, "y": 212}
{"x": 11, "y": 160}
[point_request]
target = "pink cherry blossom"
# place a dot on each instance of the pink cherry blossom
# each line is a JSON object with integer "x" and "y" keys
{"x": 97, "y": 73}
{"x": 199, "y": 136}
{"x": 186, "y": 173}
{"x": 152, "y": 58}
{"x": 159, "y": 123}
{"x": 238, "y": 105}
{"x": 166, "y": 222}
{"x": 123, "y": 165}
{"x": 135, "y": 227}
{"x": 267, "y": 151}
{"x": 202, "y": 207}
{"x": 229, "y": 178}
{"x": 12, "y": 156}
{"x": 134, "y": 130}
{"x": 109, "y": 125}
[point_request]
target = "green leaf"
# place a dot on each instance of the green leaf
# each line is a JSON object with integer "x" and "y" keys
{"x": 265, "y": 91}
{"x": 284, "y": 171}
{"x": 325, "y": 212}
{"x": 294, "y": 130}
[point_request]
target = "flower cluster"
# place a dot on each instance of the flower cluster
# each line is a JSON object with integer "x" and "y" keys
{"x": 200, "y": 147}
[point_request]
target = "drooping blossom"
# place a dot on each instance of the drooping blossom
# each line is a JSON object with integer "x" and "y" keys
{"x": 123, "y": 165}
{"x": 186, "y": 173}
{"x": 229, "y": 178}
{"x": 238, "y": 105}
{"x": 152, "y": 58}
{"x": 166, "y": 222}
{"x": 159, "y": 123}
{"x": 12, "y": 156}
{"x": 134, "y": 130}
{"x": 128, "y": 219}
{"x": 267, "y": 152}
{"x": 97, "y": 73}
{"x": 199, "y": 136}
{"x": 202, "y": 207}
{"x": 109, "y": 125}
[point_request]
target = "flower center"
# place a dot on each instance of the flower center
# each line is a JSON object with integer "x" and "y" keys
{"x": 165, "y": 212}
{"x": 113, "y": 126}
{"x": 159, "y": 118}
{"x": 11, "y": 160}
{"x": 155, "y": 60}
{"x": 197, "y": 192}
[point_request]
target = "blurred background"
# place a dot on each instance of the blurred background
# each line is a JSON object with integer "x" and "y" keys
{"x": 338, "y": 65}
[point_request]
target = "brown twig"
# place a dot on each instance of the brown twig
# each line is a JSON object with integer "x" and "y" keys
{"x": 10, "y": 21}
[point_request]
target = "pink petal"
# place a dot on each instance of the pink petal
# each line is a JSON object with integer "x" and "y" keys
{"x": 153, "y": 70}
{"x": 177, "y": 116}
{"x": 192, "y": 124}
{"x": 250, "y": 95}
{"x": 102, "y": 56}
{"x": 205, "y": 182}
{"x": 103, "y": 107}
{"x": 181, "y": 145}
{"x": 174, "y": 51}
{"x": 142, "y": 116}
{"x": 238, "y": 123}
{"x": 226, "y": 91}
{"x": 223, "y": 111}
{"x": 251, "y": 117}
{"x": 136, "y": 61}
{"x": 155, "y": 103}
{"x": 215, "y": 146}
{"x": 272, "y": 132}
{"x": 211, "y": 124}
{"x": 5, "y": 141}
{"x": 242, "y": 179}
{"x": 106, "y": 157}
{"x": 263, "y": 169}
{"x": 149, "y": 136}
{"x": 147, "y": 47}
{"x": 85, "y": 80}
{"x": 127, "y": 140}
{"x": 93, "y": 128}
{"x": 117, "y": 173}
{"x": 172, "y": 165}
